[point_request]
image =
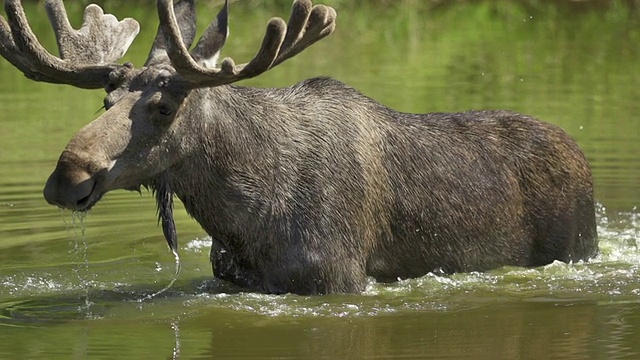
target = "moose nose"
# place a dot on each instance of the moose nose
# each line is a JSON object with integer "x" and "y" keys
{"x": 69, "y": 188}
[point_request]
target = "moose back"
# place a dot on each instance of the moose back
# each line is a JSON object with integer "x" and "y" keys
{"x": 307, "y": 189}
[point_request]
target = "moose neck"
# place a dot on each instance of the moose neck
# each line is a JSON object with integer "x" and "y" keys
{"x": 229, "y": 167}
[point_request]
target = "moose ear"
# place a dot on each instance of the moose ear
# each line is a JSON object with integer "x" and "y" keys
{"x": 208, "y": 48}
{"x": 185, "y": 11}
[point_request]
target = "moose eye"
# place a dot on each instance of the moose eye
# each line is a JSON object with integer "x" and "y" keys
{"x": 163, "y": 110}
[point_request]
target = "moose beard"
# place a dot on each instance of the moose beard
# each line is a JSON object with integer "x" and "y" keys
{"x": 164, "y": 202}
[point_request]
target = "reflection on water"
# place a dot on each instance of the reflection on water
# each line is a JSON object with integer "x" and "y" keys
{"x": 74, "y": 293}
{"x": 176, "y": 331}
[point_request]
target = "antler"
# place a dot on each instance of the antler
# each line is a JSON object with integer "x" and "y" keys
{"x": 87, "y": 55}
{"x": 307, "y": 25}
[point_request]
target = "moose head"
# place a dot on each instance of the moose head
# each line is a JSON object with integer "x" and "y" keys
{"x": 138, "y": 136}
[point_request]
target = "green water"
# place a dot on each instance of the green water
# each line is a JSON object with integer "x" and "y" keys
{"x": 70, "y": 288}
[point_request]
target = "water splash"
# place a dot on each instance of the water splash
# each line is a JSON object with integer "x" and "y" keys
{"x": 612, "y": 277}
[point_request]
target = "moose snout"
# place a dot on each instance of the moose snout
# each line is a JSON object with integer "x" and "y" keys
{"x": 71, "y": 188}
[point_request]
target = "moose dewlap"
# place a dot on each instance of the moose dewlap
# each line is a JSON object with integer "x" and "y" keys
{"x": 307, "y": 189}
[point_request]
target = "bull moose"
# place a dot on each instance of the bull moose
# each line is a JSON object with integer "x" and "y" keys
{"x": 311, "y": 188}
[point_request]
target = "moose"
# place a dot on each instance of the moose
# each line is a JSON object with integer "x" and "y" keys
{"x": 312, "y": 188}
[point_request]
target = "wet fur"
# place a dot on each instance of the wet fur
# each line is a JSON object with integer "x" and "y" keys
{"x": 164, "y": 202}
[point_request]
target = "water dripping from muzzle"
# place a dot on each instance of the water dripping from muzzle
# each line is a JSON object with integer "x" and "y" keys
{"x": 79, "y": 253}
